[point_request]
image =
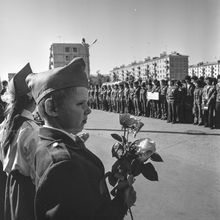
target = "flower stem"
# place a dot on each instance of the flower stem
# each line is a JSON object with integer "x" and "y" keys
{"x": 124, "y": 132}
{"x": 127, "y": 134}
{"x": 131, "y": 214}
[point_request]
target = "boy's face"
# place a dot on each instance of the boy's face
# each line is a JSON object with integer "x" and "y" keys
{"x": 72, "y": 115}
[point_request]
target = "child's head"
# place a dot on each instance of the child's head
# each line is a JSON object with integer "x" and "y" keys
{"x": 62, "y": 96}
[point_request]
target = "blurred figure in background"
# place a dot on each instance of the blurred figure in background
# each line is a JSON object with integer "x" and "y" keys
{"x": 171, "y": 101}
{"x": 217, "y": 104}
{"x": 189, "y": 100}
{"x": 163, "y": 101}
{"x": 127, "y": 97}
{"x": 208, "y": 100}
{"x": 131, "y": 99}
{"x": 197, "y": 105}
{"x": 178, "y": 101}
{"x": 121, "y": 98}
{"x": 137, "y": 98}
{"x": 143, "y": 98}
{"x": 109, "y": 91}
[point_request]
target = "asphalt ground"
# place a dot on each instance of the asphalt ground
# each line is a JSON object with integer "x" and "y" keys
{"x": 189, "y": 178}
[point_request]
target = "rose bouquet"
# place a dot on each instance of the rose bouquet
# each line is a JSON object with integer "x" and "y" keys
{"x": 131, "y": 157}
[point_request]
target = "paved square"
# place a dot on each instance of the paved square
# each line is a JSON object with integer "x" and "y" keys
{"x": 189, "y": 177}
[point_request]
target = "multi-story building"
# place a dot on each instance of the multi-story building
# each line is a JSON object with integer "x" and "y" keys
{"x": 62, "y": 53}
{"x": 167, "y": 66}
{"x": 211, "y": 69}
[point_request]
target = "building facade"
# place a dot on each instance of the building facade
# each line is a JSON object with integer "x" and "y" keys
{"x": 209, "y": 69}
{"x": 62, "y": 53}
{"x": 167, "y": 66}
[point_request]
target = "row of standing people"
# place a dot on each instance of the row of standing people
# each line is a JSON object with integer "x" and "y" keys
{"x": 191, "y": 100}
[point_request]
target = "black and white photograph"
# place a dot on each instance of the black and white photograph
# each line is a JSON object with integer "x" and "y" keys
{"x": 109, "y": 109}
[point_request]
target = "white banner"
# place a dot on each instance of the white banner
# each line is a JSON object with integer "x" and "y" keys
{"x": 153, "y": 95}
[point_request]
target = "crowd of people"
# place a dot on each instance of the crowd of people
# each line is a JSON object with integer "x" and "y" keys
{"x": 191, "y": 100}
{"x": 46, "y": 171}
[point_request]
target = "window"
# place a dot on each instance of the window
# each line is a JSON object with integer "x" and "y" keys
{"x": 67, "y": 58}
{"x": 67, "y": 49}
{"x": 74, "y": 49}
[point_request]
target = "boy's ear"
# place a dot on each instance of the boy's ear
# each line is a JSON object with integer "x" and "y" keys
{"x": 50, "y": 107}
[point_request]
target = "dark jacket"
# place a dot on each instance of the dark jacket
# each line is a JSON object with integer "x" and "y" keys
{"x": 189, "y": 94}
{"x": 171, "y": 93}
{"x": 70, "y": 183}
{"x": 218, "y": 92}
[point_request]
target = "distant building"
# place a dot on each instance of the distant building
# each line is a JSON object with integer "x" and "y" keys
{"x": 211, "y": 69}
{"x": 62, "y": 53}
{"x": 167, "y": 66}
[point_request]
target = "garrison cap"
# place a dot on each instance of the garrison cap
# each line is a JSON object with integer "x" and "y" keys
{"x": 71, "y": 75}
{"x": 17, "y": 85}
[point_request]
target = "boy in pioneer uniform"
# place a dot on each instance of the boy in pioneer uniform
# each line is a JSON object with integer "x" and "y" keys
{"x": 70, "y": 178}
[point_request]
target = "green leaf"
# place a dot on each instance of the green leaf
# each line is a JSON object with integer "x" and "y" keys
{"x": 149, "y": 172}
{"x": 117, "y": 137}
{"x": 156, "y": 157}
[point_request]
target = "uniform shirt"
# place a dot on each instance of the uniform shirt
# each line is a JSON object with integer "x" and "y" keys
{"x": 113, "y": 94}
{"x": 116, "y": 94}
{"x": 104, "y": 94}
{"x": 126, "y": 93}
{"x": 218, "y": 92}
{"x": 20, "y": 155}
{"x": 131, "y": 93}
{"x": 71, "y": 181}
{"x": 208, "y": 94}
{"x": 137, "y": 92}
{"x": 190, "y": 89}
{"x": 198, "y": 95}
{"x": 163, "y": 91}
{"x": 121, "y": 94}
{"x": 171, "y": 93}
{"x": 143, "y": 92}
{"x": 109, "y": 91}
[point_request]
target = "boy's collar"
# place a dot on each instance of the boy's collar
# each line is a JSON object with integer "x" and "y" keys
{"x": 51, "y": 133}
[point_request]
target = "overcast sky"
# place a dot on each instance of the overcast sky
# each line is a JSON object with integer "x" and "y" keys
{"x": 126, "y": 30}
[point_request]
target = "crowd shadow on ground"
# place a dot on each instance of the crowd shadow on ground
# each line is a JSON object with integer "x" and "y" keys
{"x": 188, "y": 132}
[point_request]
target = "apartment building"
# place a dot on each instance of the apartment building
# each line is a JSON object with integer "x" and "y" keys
{"x": 62, "y": 53}
{"x": 208, "y": 69}
{"x": 166, "y": 66}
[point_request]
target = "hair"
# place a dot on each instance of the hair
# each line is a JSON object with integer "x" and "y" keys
{"x": 57, "y": 97}
{"x": 187, "y": 78}
{"x": 209, "y": 80}
{"x": 194, "y": 77}
{"x": 214, "y": 81}
{"x": 172, "y": 82}
{"x": 121, "y": 86}
{"x": 201, "y": 78}
{"x": 143, "y": 84}
{"x": 126, "y": 84}
{"x": 178, "y": 83}
{"x": 14, "y": 119}
{"x": 199, "y": 83}
{"x": 4, "y": 83}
